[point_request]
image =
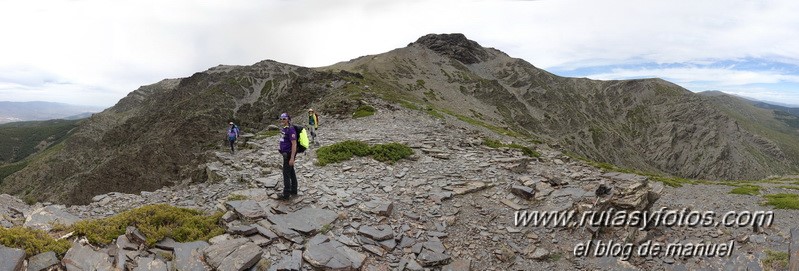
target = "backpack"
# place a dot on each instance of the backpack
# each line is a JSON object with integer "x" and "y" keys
{"x": 302, "y": 138}
{"x": 233, "y": 132}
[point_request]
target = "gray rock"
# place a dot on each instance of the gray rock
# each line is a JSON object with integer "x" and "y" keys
{"x": 266, "y": 233}
{"x": 283, "y": 231}
{"x": 212, "y": 172}
{"x": 150, "y": 264}
{"x": 379, "y": 232}
{"x": 434, "y": 245}
{"x": 332, "y": 255}
{"x": 413, "y": 265}
{"x": 307, "y": 220}
{"x": 242, "y": 258}
{"x": 245, "y": 230}
{"x": 167, "y": 244}
{"x": 12, "y": 258}
{"x": 13, "y": 209}
{"x": 216, "y": 254}
{"x": 469, "y": 187}
{"x": 384, "y": 208}
{"x": 134, "y": 235}
{"x": 38, "y": 262}
{"x": 458, "y": 265}
{"x": 188, "y": 256}
{"x": 270, "y": 181}
{"x": 793, "y": 250}
{"x": 540, "y": 254}
{"x": 376, "y": 250}
{"x": 256, "y": 194}
{"x": 429, "y": 258}
{"x": 80, "y": 258}
{"x": 229, "y": 216}
{"x": 259, "y": 240}
{"x": 389, "y": 244}
{"x": 247, "y": 209}
{"x": 291, "y": 262}
{"x": 43, "y": 218}
{"x": 523, "y": 191}
{"x": 407, "y": 242}
{"x": 124, "y": 244}
{"x": 123, "y": 258}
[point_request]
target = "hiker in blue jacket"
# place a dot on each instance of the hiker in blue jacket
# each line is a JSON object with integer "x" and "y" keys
{"x": 232, "y": 135}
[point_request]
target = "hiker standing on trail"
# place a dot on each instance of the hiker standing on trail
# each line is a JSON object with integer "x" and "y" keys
{"x": 313, "y": 123}
{"x": 232, "y": 135}
{"x": 288, "y": 149}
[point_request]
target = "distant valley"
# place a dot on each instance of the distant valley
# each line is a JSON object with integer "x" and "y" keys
{"x": 28, "y": 111}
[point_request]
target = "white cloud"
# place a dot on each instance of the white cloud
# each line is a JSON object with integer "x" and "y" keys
{"x": 117, "y": 46}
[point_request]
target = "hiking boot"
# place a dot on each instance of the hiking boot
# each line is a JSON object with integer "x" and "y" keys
{"x": 283, "y": 197}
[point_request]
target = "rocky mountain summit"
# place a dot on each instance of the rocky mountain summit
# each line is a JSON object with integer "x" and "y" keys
{"x": 450, "y": 206}
{"x": 159, "y": 133}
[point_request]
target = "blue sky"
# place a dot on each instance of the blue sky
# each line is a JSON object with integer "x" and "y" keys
{"x": 95, "y": 52}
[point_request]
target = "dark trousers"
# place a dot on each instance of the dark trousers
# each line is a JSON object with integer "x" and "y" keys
{"x": 289, "y": 176}
{"x": 232, "y": 142}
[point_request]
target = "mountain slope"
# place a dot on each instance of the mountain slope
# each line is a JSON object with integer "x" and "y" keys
{"x": 648, "y": 124}
{"x": 159, "y": 134}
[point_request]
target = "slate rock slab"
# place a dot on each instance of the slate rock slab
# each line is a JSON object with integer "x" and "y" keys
{"x": 307, "y": 220}
{"x": 321, "y": 252}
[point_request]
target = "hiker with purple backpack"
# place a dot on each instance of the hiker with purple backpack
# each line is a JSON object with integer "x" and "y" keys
{"x": 232, "y": 135}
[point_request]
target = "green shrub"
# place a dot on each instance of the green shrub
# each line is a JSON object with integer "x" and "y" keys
{"x": 746, "y": 190}
{"x": 32, "y": 241}
{"x": 390, "y": 152}
{"x": 156, "y": 222}
{"x": 341, "y": 151}
{"x": 363, "y": 111}
{"x": 434, "y": 113}
{"x": 776, "y": 260}
{"x": 7, "y": 170}
{"x": 783, "y": 201}
{"x": 345, "y": 150}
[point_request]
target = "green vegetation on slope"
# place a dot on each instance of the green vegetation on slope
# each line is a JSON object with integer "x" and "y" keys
{"x": 32, "y": 241}
{"x": 783, "y": 201}
{"x": 345, "y": 150}
{"x": 19, "y": 140}
{"x": 752, "y": 190}
{"x": 156, "y": 222}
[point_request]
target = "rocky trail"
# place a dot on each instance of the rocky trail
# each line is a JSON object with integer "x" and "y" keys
{"x": 451, "y": 206}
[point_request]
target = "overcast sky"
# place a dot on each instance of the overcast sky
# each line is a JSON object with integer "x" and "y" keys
{"x": 94, "y": 52}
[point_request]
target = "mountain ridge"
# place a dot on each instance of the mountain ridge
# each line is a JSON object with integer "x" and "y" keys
{"x": 158, "y": 134}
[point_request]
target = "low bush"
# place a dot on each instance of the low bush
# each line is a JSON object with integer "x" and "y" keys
{"x": 776, "y": 260}
{"x": 363, "y": 111}
{"x": 32, "y": 241}
{"x": 156, "y": 222}
{"x": 341, "y": 151}
{"x": 783, "y": 201}
{"x": 345, "y": 150}
{"x": 746, "y": 190}
{"x": 391, "y": 152}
